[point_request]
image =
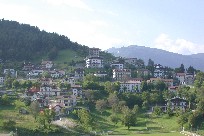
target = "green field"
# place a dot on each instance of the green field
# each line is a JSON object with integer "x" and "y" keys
{"x": 26, "y": 124}
{"x": 146, "y": 125}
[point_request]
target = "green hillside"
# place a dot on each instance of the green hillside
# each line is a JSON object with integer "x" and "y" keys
{"x": 20, "y": 42}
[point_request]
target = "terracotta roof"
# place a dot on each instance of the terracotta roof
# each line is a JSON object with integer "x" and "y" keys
{"x": 180, "y": 74}
{"x": 34, "y": 90}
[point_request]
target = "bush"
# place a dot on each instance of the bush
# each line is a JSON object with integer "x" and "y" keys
{"x": 9, "y": 125}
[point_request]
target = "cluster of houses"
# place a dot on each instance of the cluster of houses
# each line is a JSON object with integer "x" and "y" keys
{"x": 48, "y": 94}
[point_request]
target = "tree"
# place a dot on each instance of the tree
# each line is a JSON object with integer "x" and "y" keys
{"x": 92, "y": 85}
{"x": 157, "y": 110}
{"x": 34, "y": 108}
{"x": 150, "y": 63}
{"x": 101, "y": 105}
{"x": 85, "y": 118}
{"x": 182, "y": 119}
{"x": 129, "y": 119}
{"x": 181, "y": 69}
{"x": 144, "y": 86}
{"x": 160, "y": 85}
{"x": 89, "y": 94}
{"x": 19, "y": 105}
{"x": 156, "y": 98}
{"x": 9, "y": 125}
{"x": 146, "y": 96}
{"x": 113, "y": 99}
{"x": 27, "y": 84}
{"x": 133, "y": 99}
{"x": 116, "y": 108}
{"x": 150, "y": 66}
{"x": 112, "y": 87}
{"x": 36, "y": 84}
{"x": 199, "y": 79}
{"x": 64, "y": 86}
{"x": 168, "y": 95}
{"x": 5, "y": 100}
{"x": 53, "y": 53}
{"x": 8, "y": 82}
{"x": 46, "y": 74}
{"x": 49, "y": 116}
{"x": 191, "y": 70}
{"x": 89, "y": 78}
{"x": 41, "y": 119}
{"x": 114, "y": 118}
{"x": 200, "y": 106}
{"x": 195, "y": 119}
{"x": 15, "y": 84}
{"x": 136, "y": 110}
{"x": 27, "y": 101}
{"x": 185, "y": 92}
{"x": 169, "y": 111}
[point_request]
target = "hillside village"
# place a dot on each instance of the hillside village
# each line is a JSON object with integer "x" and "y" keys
{"x": 64, "y": 91}
{"x": 49, "y": 94}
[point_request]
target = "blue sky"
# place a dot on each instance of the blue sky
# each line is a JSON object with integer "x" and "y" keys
{"x": 172, "y": 25}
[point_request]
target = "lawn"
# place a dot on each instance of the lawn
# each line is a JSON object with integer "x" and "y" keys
{"x": 65, "y": 57}
{"x": 147, "y": 125}
{"x": 10, "y": 113}
{"x": 26, "y": 124}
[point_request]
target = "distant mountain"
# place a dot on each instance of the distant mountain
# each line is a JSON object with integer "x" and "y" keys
{"x": 162, "y": 57}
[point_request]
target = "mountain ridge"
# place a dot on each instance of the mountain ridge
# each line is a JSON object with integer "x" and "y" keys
{"x": 159, "y": 56}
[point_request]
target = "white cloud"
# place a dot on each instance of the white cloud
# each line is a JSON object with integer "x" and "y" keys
{"x": 181, "y": 46}
{"x": 108, "y": 12}
{"x": 72, "y": 3}
{"x": 88, "y": 33}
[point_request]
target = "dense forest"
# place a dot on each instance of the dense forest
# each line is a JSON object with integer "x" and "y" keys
{"x": 20, "y": 42}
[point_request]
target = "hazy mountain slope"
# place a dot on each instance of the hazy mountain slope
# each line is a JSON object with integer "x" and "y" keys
{"x": 160, "y": 56}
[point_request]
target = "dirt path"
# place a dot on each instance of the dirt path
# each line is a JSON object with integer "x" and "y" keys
{"x": 66, "y": 123}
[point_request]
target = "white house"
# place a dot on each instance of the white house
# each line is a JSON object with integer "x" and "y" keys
{"x": 69, "y": 80}
{"x": 35, "y": 72}
{"x": 174, "y": 104}
{"x": 79, "y": 73}
{"x": 54, "y": 74}
{"x": 132, "y": 61}
{"x": 45, "y": 81}
{"x": 177, "y": 102}
{"x": 143, "y": 72}
{"x": 12, "y": 72}
{"x": 181, "y": 77}
{"x": 158, "y": 71}
{"x": 117, "y": 65}
{"x": 67, "y": 100}
{"x": 2, "y": 79}
{"x": 77, "y": 91}
{"x": 50, "y": 91}
{"x": 121, "y": 74}
{"x": 57, "y": 107}
{"x": 189, "y": 79}
{"x": 168, "y": 82}
{"x": 130, "y": 86}
{"x": 100, "y": 74}
{"x": 28, "y": 66}
{"x": 47, "y": 64}
{"x": 33, "y": 93}
{"x": 94, "y": 62}
{"x": 94, "y": 52}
